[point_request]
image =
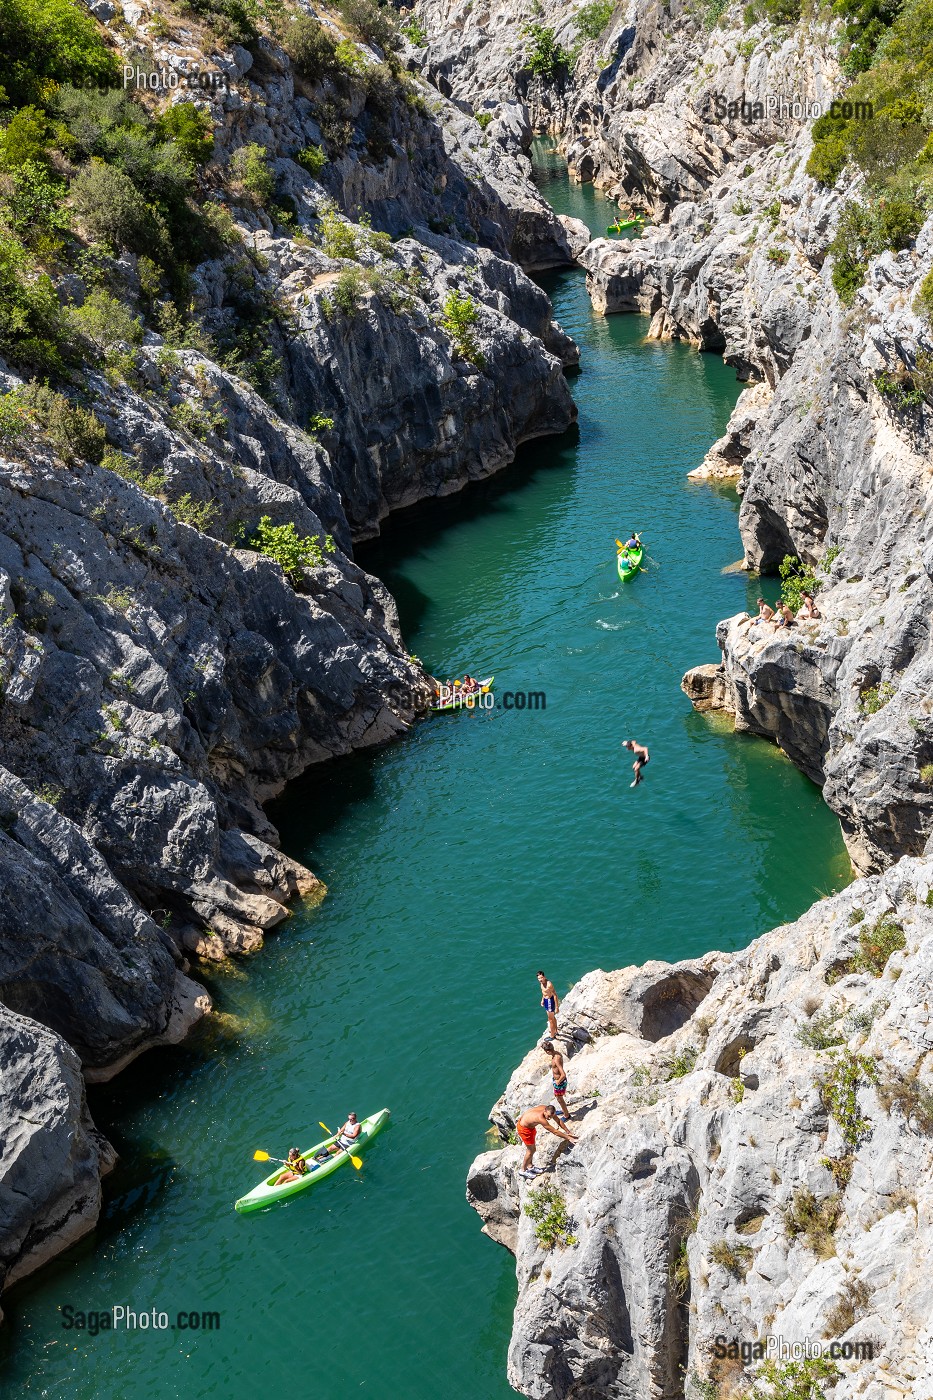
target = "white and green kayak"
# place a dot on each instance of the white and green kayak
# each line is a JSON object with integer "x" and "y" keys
{"x": 266, "y": 1194}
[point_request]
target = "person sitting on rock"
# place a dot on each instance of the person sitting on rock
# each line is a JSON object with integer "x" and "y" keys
{"x": 295, "y": 1166}
{"x": 765, "y": 614}
{"x": 808, "y": 610}
{"x": 783, "y": 617}
{"x": 541, "y": 1116}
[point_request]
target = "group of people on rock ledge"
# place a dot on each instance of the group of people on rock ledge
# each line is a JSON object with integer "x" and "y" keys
{"x": 782, "y": 615}
{"x": 544, "y": 1115}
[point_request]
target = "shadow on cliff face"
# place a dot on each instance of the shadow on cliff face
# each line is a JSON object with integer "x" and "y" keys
{"x": 419, "y": 526}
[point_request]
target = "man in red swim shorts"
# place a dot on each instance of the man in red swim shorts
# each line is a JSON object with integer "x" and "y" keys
{"x": 541, "y": 1116}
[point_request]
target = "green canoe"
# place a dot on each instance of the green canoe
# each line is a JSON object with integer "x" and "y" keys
{"x": 629, "y": 562}
{"x": 623, "y": 225}
{"x": 464, "y": 702}
{"x": 265, "y": 1194}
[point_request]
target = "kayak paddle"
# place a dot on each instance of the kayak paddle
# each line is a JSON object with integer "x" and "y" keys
{"x": 357, "y": 1161}
{"x": 260, "y": 1156}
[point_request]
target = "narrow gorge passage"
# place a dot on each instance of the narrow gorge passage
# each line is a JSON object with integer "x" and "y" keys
{"x": 458, "y": 862}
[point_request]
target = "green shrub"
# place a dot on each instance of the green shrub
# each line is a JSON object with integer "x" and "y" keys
{"x": 199, "y": 514}
{"x": 796, "y": 1380}
{"x": 796, "y": 579}
{"x": 459, "y": 321}
{"x": 778, "y": 255}
{"x": 545, "y": 57}
{"x": 190, "y": 129}
{"x": 111, "y": 208}
{"x": 713, "y": 11}
{"x": 292, "y": 552}
{"x": 311, "y": 48}
{"x": 821, "y": 1031}
{"x": 31, "y": 331}
{"x": 844, "y": 1075}
{"x": 337, "y": 237}
{"x": 782, "y": 11}
{"x": 50, "y": 41}
{"x": 251, "y": 170}
{"x": 34, "y": 204}
{"x": 105, "y": 322}
{"x": 683, "y": 1063}
{"x": 926, "y": 774}
{"x": 14, "y": 420}
{"x": 153, "y": 483}
{"x": 591, "y": 19}
{"x": 373, "y": 23}
{"x": 548, "y": 1209}
{"x": 75, "y": 433}
{"x": 26, "y": 136}
{"x": 199, "y": 419}
{"x": 923, "y": 301}
{"x": 233, "y": 21}
{"x": 899, "y": 389}
{"x": 313, "y": 159}
{"x": 415, "y": 32}
{"x": 483, "y": 120}
{"x": 319, "y": 423}
{"x": 346, "y": 294}
{"x": 874, "y": 698}
{"x": 877, "y": 944}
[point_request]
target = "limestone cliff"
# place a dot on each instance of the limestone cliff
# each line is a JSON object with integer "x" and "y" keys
{"x": 754, "y": 1161}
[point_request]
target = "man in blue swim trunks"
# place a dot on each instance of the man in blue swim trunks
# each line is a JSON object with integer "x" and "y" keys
{"x": 549, "y": 1001}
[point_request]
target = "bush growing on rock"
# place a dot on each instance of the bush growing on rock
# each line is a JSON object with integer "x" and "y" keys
{"x": 796, "y": 579}
{"x": 292, "y": 552}
{"x": 459, "y": 321}
{"x": 735, "y": 1258}
{"x": 545, "y": 57}
{"x": 50, "y": 41}
{"x": 548, "y": 1209}
{"x": 591, "y": 19}
{"x": 312, "y": 48}
{"x": 795, "y": 1380}
{"x": 190, "y": 129}
{"x": 373, "y": 23}
{"x": 75, "y": 433}
{"x": 111, "y": 208}
{"x": 839, "y": 1086}
{"x": 877, "y": 944}
{"x": 105, "y": 322}
{"x": 251, "y": 170}
{"x": 874, "y": 698}
{"x": 812, "y": 1220}
{"x": 313, "y": 159}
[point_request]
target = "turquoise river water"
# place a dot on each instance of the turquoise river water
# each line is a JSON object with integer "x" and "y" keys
{"x": 459, "y": 860}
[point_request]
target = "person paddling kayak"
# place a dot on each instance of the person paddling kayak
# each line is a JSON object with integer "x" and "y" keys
{"x": 295, "y": 1166}
{"x": 642, "y": 757}
{"x": 541, "y": 1116}
{"x": 346, "y": 1136}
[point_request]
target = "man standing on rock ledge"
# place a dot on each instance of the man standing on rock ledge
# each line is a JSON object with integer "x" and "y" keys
{"x": 541, "y": 1116}
{"x": 550, "y": 1002}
